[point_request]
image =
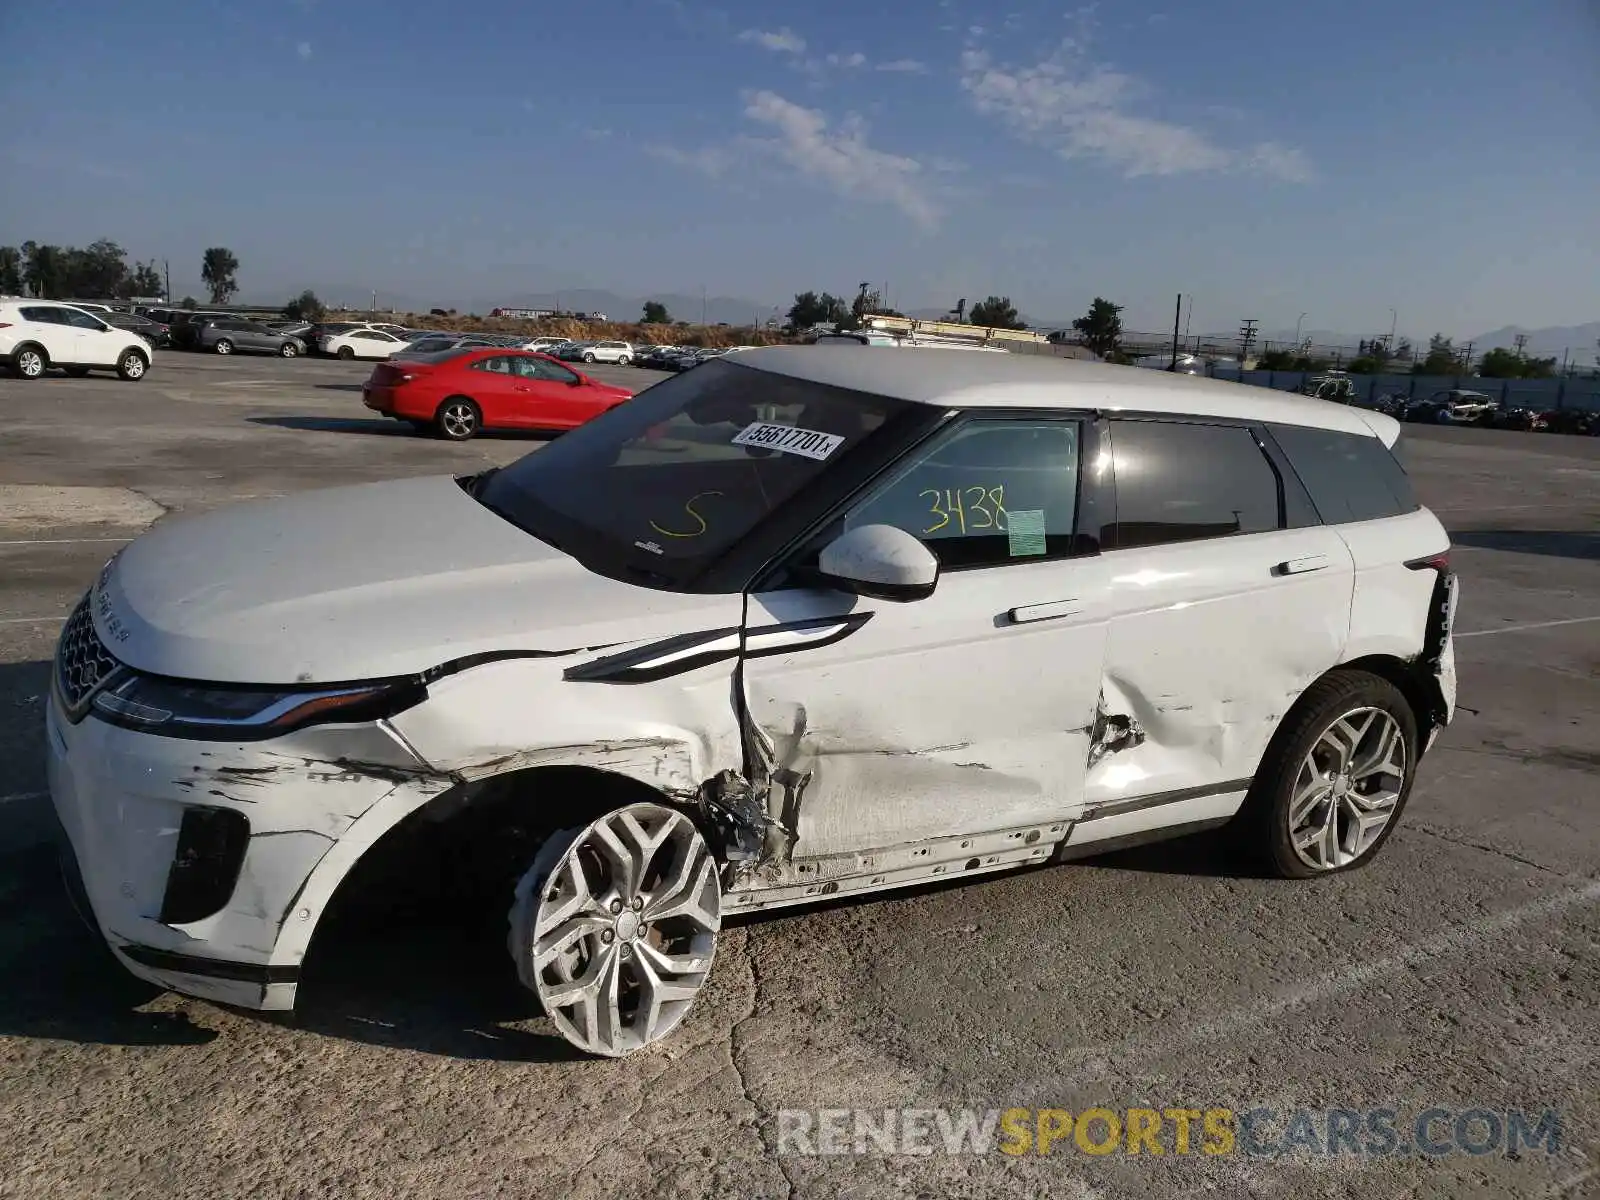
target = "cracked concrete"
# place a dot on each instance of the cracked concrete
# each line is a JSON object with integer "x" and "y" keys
{"x": 1462, "y": 968}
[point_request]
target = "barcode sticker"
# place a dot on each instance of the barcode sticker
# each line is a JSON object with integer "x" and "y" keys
{"x": 808, "y": 443}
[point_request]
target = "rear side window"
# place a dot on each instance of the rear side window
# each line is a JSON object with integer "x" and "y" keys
{"x": 1180, "y": 482}
{"x": 1351, "y": 477}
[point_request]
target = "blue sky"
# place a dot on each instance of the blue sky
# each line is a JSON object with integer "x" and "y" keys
{"x": 1334, "y": 157}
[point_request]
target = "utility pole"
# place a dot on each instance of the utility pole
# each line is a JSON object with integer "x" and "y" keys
{"x": 1247, "y": 337}
{"x": 1394, "y": 323}
{"x": 167, "y": 267}
{"x": 1177, "y": 316}
{"x": 1297, "y": 326}
{"x": 702, "y": 304}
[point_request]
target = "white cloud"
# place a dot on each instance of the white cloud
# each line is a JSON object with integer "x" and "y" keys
{"x": 782, "y": 41}
{"x": 849, "y": 62}
{"x": 712, "y": 161}
{"x": 303, "y": 50}
{"x": 841, "y": 159}
{"x": 1082, "y": 109}
{"x": 907, "y": 66}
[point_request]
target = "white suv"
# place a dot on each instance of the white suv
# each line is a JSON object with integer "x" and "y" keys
{"x": 36, "y": 335}
{"x": 792, "y": 626}
{"x": 620, "y": 353}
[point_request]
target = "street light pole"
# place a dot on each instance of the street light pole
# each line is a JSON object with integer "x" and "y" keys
{"x": 1394, "y": 323}
{"x": 1297, "y": 325}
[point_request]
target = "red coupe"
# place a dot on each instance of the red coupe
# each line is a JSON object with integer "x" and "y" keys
{"x": 458, "y": 392}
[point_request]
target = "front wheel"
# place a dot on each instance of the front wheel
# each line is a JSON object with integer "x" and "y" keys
{"x": 346, "y": 353}
{"x": 624, "y": 361}
{"x": 132, "y": 366}
{"x": 223, "y": 346}
{"x": 288, "y": 350}
{"x": 1334, "y": 780}
{"x": 614, "y": 927}
{"x": 457, "y": 419}
{"x": 588, "y": 358}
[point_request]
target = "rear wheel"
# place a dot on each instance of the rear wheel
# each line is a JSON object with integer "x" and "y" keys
{"x": 1334, "y": 780}
{"x": 132, "y": 366}
{"x": 614, "y": 927}
{"x": 223, "y": 346}
{"x": 29, "y": 362}
{"x": 588, "y": 358}
{"x": 458, "y": 419}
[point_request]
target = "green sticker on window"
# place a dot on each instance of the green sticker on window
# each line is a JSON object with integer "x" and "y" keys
{"x": 1025, "y": 531}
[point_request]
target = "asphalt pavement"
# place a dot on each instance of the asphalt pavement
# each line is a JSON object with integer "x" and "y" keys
{"x": 1460, "y": 972}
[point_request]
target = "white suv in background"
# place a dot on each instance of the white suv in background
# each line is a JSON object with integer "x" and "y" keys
{"x": 795, "y": 625}
{"x": 620, "y": 353}
{"x": 36, "y": 335}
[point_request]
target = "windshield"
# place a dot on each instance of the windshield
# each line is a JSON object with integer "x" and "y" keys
{"x": 669, "y": 481}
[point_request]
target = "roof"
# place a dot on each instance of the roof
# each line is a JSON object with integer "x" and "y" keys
{"x": 957, "y": 379}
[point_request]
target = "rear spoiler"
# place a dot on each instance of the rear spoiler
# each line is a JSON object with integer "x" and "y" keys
{"x": 1386, "y": 428}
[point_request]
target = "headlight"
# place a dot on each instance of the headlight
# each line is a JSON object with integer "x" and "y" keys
{"x": 175, "y": 708}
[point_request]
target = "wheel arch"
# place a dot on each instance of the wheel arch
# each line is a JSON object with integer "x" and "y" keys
{"x": 506, "y": 813}
{"x": 1412, "y": 680}
{"x": 32, "y": 345}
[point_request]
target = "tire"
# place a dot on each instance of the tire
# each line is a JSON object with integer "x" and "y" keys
{"x": 632, "y": 898}
{"x": 624, "y": 361}
{"x": 76, "y": 372}
{"x": 132, "y": 366}
{"x": 458, "y": 419}
{"x": 288, "y": 350}
{"x": 588, "y": 358}
{"x": 1347, "y": 790}
{"x": 346, "y": 353}
{"x": 223, "y": 346}
{"x": 30, "y": 361}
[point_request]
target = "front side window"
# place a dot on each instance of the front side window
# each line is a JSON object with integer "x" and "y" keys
{"x": 670, "y": 481}
{"x": 497, "y": 365}
{"x": 81, "y": 320}
{"x": 1180, "y": 481}
{"x": 985, "y": 493}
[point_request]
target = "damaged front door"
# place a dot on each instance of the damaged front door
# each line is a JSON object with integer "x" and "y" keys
{"x": 880, "y": 724}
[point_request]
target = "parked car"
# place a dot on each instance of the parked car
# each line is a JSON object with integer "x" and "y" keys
{"x": 543, "y": 344}
{"x": 1571, "y": 420}
{"x": 1525, "y": 420}
{"x": 620, "y": 353}
{"x": 295, "y": 329}
{"x": 157, "y": 333}
{"x": 649, "y": 673}
{"x": 36, "y": 335}
{"x": 1454, "y": 406}
{"x": 425, "y": 346}
{"x": 360, "y": 343}
{"x": 186, "y": 326}
{"x": 459, "y": 393}
{"x": 232, "y": 335}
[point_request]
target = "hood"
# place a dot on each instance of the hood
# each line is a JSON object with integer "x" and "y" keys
{"x": 364, "y": 582}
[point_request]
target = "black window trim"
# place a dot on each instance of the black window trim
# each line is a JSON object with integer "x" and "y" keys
{"x": 789, "y": 567}
{"x": 1295, "y": 510}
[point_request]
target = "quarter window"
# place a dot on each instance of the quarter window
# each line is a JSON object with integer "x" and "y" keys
{"x": 497, "y": 365}
{"x": 986, "y": 493}
{"x": 1179, "y": 482}
{"x": 1350, "y": 477}
{"x": 43, "y": 316}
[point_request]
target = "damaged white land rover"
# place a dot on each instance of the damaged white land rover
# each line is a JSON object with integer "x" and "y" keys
{"x": 797, "y": 624}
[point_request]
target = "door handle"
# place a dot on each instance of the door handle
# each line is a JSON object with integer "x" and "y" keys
{"x": 1299, "y": 566}
{"x": 1043, "y": 612}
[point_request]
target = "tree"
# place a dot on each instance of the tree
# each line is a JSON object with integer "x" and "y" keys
{"x": 811, "y": 309}
{"x": 1101, "y": 327}
{"x": 218, "y": 271}
{"x": 10, "y": 271}
{"x": 306, "y": 307}
{"x": 1442, "y": 358}
{"x": 189, "y": 303}
{"x": 655, "y": 313}
{"x": 143, "y": 280}
{"x": 41, "y": 269}
{"x": 997, "y": 312}
{"x": 1501, "y": 363}
{"x": 1290, "y": 360}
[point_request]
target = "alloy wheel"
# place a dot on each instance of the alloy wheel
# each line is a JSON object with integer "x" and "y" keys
{"x": 30, "y": 364}
{"x": 133, "y": 366}
{"x": 615, "y": 927}
{"x": 459, "y": 420}
{"x": 1347, "y": 789}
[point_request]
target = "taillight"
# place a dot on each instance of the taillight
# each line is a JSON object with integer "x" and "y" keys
{"x": 1438, "y": 562}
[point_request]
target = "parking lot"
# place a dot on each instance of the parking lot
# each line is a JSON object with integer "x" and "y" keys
{"x": 1460, "y": 971}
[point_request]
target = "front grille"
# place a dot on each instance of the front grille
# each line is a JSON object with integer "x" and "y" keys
{"x": 82, "y": 661}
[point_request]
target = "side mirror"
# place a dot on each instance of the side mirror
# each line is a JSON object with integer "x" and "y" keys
{"x": 883, "y": 561}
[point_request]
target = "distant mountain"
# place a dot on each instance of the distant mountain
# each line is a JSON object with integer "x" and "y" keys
{"x": 1550, "y": 342}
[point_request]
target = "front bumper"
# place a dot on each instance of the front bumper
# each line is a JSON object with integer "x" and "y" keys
{"x": 121, "y": 798}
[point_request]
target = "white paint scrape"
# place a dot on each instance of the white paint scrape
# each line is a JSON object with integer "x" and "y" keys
{"x": 37, "y": 506}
